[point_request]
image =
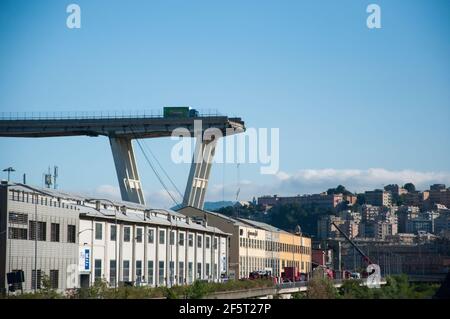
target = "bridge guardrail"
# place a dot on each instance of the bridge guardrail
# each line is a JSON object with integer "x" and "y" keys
{"x": 95, "y": 115}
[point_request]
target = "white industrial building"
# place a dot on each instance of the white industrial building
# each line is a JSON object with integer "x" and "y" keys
{"x": 78, "y": 240}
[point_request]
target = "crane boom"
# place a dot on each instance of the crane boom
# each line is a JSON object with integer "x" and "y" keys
{"x": 365, "y": 257}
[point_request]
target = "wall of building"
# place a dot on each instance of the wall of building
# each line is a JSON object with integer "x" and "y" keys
{"x": 54, "y": 254}
{"x": 295, "y": 252}
{"x": 255, "y": 249}
{"x": 170, "y": 260}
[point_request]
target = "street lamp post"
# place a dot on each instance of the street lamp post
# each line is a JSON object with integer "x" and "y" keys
{"x": 298, "y": 231}
{"x": 293, "y": 258}
{"x": 35, "y": 239}
{"x": 9, "y": 170}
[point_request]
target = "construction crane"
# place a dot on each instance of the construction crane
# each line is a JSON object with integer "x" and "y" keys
{"x": 364, "y": 256}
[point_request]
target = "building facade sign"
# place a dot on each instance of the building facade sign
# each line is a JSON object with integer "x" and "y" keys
{"x": 85, "y": 260}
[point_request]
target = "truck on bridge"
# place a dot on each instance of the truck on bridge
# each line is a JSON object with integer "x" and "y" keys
{"x": 179, "y": 112}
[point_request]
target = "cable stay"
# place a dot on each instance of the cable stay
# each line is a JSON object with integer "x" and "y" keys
{"x": 238, "y": 182}
{"x": 162, "y": 168}
{"x": 157, "y": 174}
{"x": 154, "y": 170}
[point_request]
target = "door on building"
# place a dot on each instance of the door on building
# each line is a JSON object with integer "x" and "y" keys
{"x": 84, "y": 281}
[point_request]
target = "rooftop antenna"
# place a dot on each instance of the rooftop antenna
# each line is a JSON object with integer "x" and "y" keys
{"x": 48, "y": 179}
{"x": 55, "y": 175}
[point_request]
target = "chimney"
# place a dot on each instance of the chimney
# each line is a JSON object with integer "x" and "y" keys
{"x": 147, "y": 214}
{"x": 97, "y": 205}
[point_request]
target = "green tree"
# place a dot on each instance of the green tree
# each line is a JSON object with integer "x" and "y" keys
{"x": 197, "y": 290}
{"x": 361, "y": 199}
{"x": 410, "y": 187}
{"x": 321, "y": 288}
{"x": 352, "y": 289}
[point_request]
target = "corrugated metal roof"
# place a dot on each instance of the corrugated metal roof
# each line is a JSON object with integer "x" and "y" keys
{"x": 230, "y": 219}
{"x": 132, "y": 217}
{"x": 263, "y": 225}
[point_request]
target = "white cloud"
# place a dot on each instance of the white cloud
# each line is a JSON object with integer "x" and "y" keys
{"x": 156, "y": 199}
{"x": 318, "y": 180}
{"x": 109, "y": 191}
{"x": 305, "y": 181}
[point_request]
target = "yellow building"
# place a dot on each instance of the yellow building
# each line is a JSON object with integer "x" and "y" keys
{"x": 295, "y": 251}
{"x": 257, "y": 246}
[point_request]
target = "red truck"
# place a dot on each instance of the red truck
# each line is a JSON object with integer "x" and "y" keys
{"x": 292, "y": 274}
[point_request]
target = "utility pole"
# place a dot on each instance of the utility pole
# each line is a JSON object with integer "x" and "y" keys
{"x": 293, "y": 258}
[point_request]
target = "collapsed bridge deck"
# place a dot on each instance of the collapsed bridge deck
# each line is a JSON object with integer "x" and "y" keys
{"x": 147, "y": 127}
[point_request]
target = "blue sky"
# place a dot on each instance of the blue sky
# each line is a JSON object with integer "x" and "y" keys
{"x": 355, "y": 106}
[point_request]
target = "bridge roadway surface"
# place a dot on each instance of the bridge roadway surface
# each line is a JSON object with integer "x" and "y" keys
{"x": 285, "y": 289}
{"x": 117, "y": 127}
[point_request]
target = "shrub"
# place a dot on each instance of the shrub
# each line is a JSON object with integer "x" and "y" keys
{"x": 321, "y": 288}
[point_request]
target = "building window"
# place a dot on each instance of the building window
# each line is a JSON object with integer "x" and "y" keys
{"x": 241, "y": 232}
{"x": 71, "y": 237}
{"x": 199, "y": 241}
{"x": 126, "y": 234}
{"x": 18, "y": 218}
{"x": 199, "y": 270}
{"x": 191, "y": 240}
{"x": 139, "y": 235}
{"x": 112, "y": 272}
{"x": 126, "y": 270}
{"x": 207, "y": 270}
{"x": 139, "y": 270}
{"x": 54, "y": 232}
{"x": 181, "y": 239}
{"x": 162, "y": 235}
{"x": 113, "y": 233}
{"x": 172, "y": 238}
{"x": 151, "y": 236}
{"x": 161, "y": 273}
{"x": 215, "y": 242}
{"x": 98, "y": 269}
{"x": 41, "y": 230}
{"x": 17, "y": 233}
{"x": 207, "y": 242}
{"x": 150, "y": 271}
{"x": 190, "y": 272}
{"x": 54, "y": 276}
{"x": 181, "y": 273}
{"x": 98, "y": 231}
{"x": 171, "y": 271}
{"x": 36, "y": 279}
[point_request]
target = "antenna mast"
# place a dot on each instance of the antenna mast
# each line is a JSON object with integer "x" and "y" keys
{"x": 55, "y": 175}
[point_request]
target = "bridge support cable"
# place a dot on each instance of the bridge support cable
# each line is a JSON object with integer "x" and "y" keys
{"x": 157, "y": 174}
{"x": 162, "y": 169}
{"x": 154, "y": 170}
